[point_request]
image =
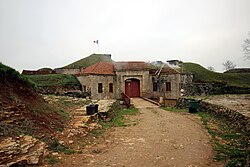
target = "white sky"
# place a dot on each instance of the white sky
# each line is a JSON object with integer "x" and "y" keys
{"x": 54, "y": 33}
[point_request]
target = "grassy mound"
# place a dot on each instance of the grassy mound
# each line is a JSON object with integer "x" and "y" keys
{"x": 6, "y": 71}
{"x": 23, "y": 110}
{"x": 239, "y": 70}
{"x": 90, "y": 60}
{"x": 201, "y": 74}
{"x": 54, "y": 80}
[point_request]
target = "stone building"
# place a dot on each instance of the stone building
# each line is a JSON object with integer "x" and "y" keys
{"x": 42, "y": 71}
{"x": 99, "y": 80}
{"x": 105, "y": 80}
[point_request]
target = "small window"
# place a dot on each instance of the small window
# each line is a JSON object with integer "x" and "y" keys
{"x": 84, "y": 88}
{"x": 154, "y": 86}
{"x": 99, "y": 87}
{"x": 111, "y": 87}
{"x": 168, "y": 86}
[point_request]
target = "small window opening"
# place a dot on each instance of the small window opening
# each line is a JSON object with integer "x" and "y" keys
{"x": 111, "y": 87}
{"x": 154, "y": 86}
{"x": 99, "y": 87}
{"x": 168, "y": 86}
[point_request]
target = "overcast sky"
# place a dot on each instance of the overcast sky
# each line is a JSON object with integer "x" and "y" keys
{"x": 54, "y": 33}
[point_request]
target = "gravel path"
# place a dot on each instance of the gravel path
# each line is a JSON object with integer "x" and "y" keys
{"x": 160, "y": 138}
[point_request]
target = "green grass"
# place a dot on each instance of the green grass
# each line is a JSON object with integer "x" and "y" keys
{"x": 51, "y": 159}
{"x": 88, "y": 61}
{"x": 201, "y": 74}
{"x": 118, "y": 119}
{"x": 239, "y": 70}
{"x": 6, "y": 71}
{"x": 56, "y": 146}
{"x": 64, "y": 114}
{"x": 229, "y": 143}
{"x": 54, "y": 80}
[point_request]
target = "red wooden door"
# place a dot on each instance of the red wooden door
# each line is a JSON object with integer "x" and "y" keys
{"x": 132, "y": 87}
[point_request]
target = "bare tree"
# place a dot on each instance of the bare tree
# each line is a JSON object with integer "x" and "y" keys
{"x": 246, "y": 47}
{"x": 210, "y": 68}
{"x": 228, "y": 65}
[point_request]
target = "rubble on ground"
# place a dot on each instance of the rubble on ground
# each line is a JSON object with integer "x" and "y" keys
{"x": 21, "y": 150}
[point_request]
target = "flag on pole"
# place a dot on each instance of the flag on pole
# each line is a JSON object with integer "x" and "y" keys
{"x": 97, "y": 42}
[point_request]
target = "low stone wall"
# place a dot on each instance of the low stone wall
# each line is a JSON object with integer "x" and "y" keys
{"x": 203, "y": 89}
{"x": 74, "y": 91}
{"x": 182, "y": 103}
{"x": 238, "y": 120}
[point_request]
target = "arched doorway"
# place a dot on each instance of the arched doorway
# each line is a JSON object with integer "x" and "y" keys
{"x": 132, "y": 87}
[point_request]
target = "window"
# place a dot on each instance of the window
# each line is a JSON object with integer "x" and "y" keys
{"x": 111, "y": 87}
{"x": 84, "y": 88}
{"x": 154, "y": 86}
{"x": 168, "y": 86}
{"x": 99, "y": 87}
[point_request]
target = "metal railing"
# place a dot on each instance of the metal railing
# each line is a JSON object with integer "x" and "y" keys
{"x": 126, "y": 98}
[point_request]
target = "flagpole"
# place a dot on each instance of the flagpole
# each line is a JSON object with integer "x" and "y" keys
{"x": 97, "y": 42}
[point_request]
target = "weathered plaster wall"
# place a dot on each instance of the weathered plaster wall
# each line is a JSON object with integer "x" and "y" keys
{"x": 90, "y": 82}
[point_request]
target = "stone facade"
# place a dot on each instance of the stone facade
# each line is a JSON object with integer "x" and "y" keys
{"x": 161, "y": 91}
{"x": 90, "y": 85}
{"x": 108, "y": 80}
{"x": 150, "y": 85}
{"x": 142, "y": 76}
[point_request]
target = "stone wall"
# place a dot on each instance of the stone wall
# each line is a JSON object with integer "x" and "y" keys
{"x": 75, "y": 91}
{"x": 203, "y": 89}
{"x": 238, "y": 119}
{"x": 90, "y": 85}
{"x": 174, "y": 93}
{"x": 186, "y": 78}
{"x": 235, "y": 117}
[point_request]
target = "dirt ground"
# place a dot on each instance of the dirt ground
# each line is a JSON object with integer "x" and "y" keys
{"x": 159, "y": 138}
{"x": 241, "y": 103}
